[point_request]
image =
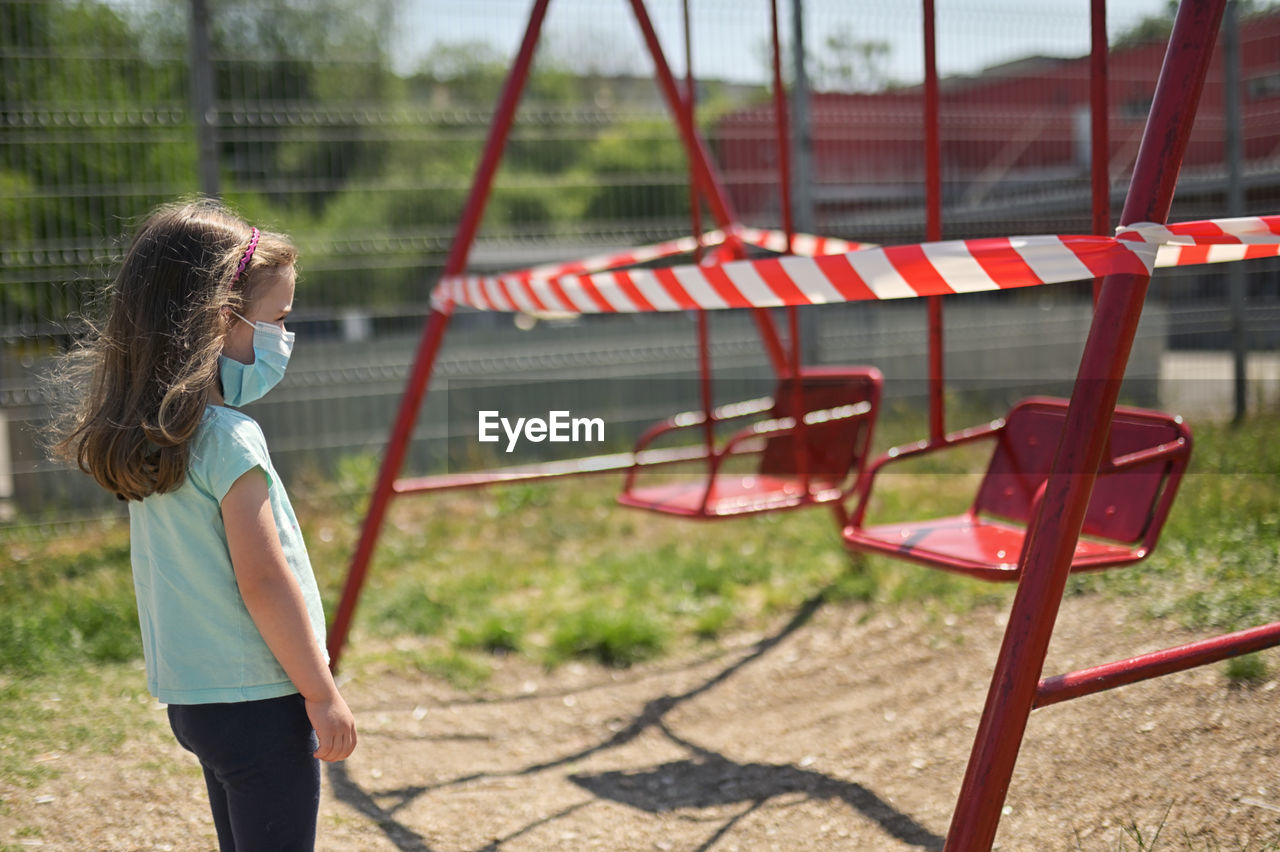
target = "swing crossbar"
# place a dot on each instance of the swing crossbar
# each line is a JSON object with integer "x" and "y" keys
{"x": 609, "y": 463}
{"x": 1064, "y": 687}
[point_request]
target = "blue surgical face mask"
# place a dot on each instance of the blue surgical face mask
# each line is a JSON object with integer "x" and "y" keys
{"x": 244, "y": 383}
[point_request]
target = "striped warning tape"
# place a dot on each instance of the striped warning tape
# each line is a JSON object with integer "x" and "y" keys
{"x": 802, "y": 244}
{"x": 861, "y": 273}
{"x": 1211, "y": 240}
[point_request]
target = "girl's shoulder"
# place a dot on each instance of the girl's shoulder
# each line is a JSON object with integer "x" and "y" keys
{"x": 227, "y": 444}
{"x": 223, "y": 425}
{"x": 226, "y": 417}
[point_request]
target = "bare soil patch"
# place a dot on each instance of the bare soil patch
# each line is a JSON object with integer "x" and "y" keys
{"x": 839, "y": 729}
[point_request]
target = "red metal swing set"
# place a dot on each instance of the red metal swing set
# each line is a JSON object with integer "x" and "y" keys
{"x": 1074, "y": 484}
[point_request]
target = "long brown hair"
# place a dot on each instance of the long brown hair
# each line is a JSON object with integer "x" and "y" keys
{"x": 135, "y": 390}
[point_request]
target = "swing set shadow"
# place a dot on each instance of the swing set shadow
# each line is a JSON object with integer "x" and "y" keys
{"x": 705, "y": 779}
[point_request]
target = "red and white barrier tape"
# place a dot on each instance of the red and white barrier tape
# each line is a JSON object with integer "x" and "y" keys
{"x": 803, "y": 244}
{"x": 1211, "y": 240}
{"x": 807, "y": 245}
{"x": 894, "y": 272}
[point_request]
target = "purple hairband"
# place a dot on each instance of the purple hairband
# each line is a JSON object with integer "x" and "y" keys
{"x": 248, "y": 255}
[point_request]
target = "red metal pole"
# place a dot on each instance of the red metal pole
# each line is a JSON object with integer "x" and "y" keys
{"x": 799, "y": 442}
{"x": 783, "y": 127}
{"x": 1100, "y": 150}
{"x": 1054, "y": 531}
{"x": 704, "y": 389}
{"x": 695, "y": 217}
{"x": 433, "y": 334}
{"x": 933, "y": 221}
{"x": 695, "y": 198}
{"x": 705, "y": 175}
{"x": 1155, "y": 664}
{"x": 703, "y": 171}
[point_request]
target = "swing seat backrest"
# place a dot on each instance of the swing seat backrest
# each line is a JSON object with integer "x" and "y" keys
{"x": 1134, "y": 489}
{"x": 834, "y": 448}
{"x": 838, "y": 406}
{"x": 1125, "y": 501}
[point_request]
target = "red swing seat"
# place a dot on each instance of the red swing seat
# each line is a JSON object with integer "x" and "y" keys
{"x": 1131, "y": 498}
{"x": 816, "y": 461}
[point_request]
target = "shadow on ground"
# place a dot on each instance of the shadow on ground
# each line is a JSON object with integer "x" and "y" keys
{"x": 705, "y": 780}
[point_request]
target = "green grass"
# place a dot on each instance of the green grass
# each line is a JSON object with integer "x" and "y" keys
{"x": 1150, "y": 839}
{"x": 86, "y": 708}
{"x": 458, "y": 668}
{"x": 1218, "y": 563}
{"x": 67, "y": 601}
{"x": 559, "y": 571}
{"x": 1249, "y": 670}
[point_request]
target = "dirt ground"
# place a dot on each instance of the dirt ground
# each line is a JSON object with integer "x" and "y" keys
{"x": 836, "y": 730}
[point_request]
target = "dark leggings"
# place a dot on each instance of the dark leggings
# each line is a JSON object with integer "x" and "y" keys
{"x": 264, "y": 784}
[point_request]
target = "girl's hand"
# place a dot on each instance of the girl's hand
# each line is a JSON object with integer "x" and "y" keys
{"x": 335, "y": 728}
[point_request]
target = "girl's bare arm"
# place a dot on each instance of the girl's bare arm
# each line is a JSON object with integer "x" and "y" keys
{"x": 274, "y": 600}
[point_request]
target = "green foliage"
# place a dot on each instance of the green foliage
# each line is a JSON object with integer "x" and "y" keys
{"x": 612, "y": 637}
{"x": 1215, "y": 567}
{"x": 514, "y": 498}
{"x": 714, "y": 620}
{"x": 1150, "y": 28}
{"x": 334, "y": 152}
{"x": 1145, "y": 844}
{"x": 44, "y": 717}
{"x": 469, "y": 73}
{"x": 461, "y": 670}
{"x": 67, "y": 602}
{"x": 558, "y": 571}
{"x": 415, "y": 611}
{"x": 1249, "y": 670}
{"x": 851, "y": 64}
{"x": 83, "y": 74}
{"x": 353, "y": 480}
{"x": 497, "y": 633}
{"x": 640, "y": 167}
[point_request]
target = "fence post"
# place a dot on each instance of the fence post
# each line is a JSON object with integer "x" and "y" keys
{"x": 1235, "y": 201}
{"x": 802, "y": 206}
{"x": 202, "y": 108}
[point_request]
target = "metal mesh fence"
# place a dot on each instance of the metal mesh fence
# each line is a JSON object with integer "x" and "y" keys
{"x": 355, "y": 125}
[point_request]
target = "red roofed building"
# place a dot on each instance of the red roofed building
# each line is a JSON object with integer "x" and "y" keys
{"x": 1015, "y": 146}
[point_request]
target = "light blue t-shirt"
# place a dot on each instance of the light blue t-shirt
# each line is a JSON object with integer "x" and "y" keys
{"x": 201, "y": 645}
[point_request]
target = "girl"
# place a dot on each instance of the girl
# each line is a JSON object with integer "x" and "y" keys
{"x": 232, "y": 627}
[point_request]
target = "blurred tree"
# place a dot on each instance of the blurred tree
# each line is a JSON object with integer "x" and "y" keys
{"x": 843, "y": 63}
{"x": 851, "y": 64}
{"x": 1157, "y": 27}
{"x": 318, "y": 135}
{"x": 86, "y": 111}
{"x": 306, "y": 79}
{"x": 639, "y": 169}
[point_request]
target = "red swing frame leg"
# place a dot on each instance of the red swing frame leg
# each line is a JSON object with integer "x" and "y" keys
{"x": 704, "y": 174}
{"x": 1053, "y": 533}
{"x": 705, "y": 178}
{"x": 1099, "y": 129}
{"x": 433, "y": 334}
